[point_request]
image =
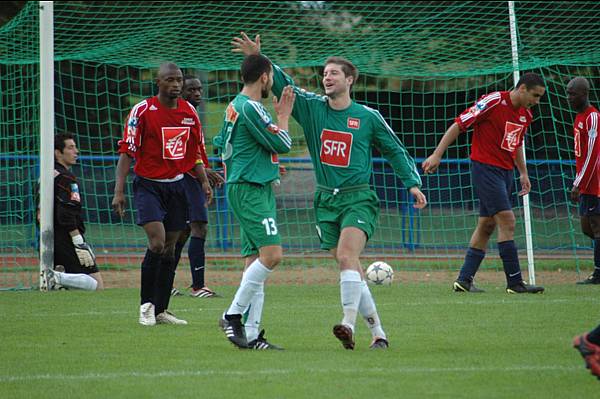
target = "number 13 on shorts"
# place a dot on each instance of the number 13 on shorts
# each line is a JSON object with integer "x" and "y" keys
{"x": 270, "y": 226}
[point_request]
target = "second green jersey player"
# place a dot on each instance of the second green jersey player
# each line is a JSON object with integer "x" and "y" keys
{"x": 250, "y": 141}
{"x": 340, "y": 135}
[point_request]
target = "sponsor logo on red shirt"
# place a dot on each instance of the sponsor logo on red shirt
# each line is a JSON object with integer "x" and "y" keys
{"x": 174, "y": 142}
{"x": 512, "y": 136}
{"x": 336, "y": 148}
{"x": 353, "y": 123}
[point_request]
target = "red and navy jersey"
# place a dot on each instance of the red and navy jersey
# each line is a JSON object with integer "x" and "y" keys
{"x": 164, "y": 142}
{"x": 498, "y": 129}
{"x": 585, "y": 132}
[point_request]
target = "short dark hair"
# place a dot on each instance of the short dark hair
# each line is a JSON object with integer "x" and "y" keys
{"x": 60, "y": 138}
{"x": 530, "y": 80}
{"x": 254, "y": 66}
{"x": 189, "y": 77}
{"x": 347, "y": 67}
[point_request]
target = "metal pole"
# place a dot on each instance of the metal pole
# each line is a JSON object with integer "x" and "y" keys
{"x": 46, "y": 139}
{"x": 526, "y": 210}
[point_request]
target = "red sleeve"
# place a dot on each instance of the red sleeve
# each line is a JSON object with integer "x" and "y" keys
{"x": 584, "y": 177}
{"x": 132, "y": 134}
{"x": 202, "y": 149}
{"x": 479, "y": 111}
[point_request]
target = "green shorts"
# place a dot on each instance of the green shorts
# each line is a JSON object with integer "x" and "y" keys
{"x": 254, "y": 207}
{"x": 349, "y": 207}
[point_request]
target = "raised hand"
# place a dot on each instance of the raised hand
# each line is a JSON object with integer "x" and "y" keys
{"x": 245, "y": 45}
{"x": 284, "y": 105}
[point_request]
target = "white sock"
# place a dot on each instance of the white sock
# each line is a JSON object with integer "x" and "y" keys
{"x": 254, "y": 313}
{"x": 254, "y": 277}
{"x": 350, "y": 290}
{"x": 368, "y": 311}
{"x": 81, "y": 281}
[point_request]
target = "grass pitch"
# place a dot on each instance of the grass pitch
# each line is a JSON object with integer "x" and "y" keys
{"x": 492, "y": 345}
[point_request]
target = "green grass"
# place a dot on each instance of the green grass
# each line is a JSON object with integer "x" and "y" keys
{"x": 79, "y": 344}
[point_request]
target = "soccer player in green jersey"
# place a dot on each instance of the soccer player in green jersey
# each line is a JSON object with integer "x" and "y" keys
{"x": 339, "y": 135}
{"x": 249, "y": 142}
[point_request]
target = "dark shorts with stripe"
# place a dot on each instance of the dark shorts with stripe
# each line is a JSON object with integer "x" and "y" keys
{"x": 493, "y": 186}
{"x": 160, "y": 202}
{"x": 196, "y": 199}
{"x": 588, "y": 205}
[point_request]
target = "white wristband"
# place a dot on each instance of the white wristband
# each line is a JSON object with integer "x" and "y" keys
{"x": 78, "y": 239}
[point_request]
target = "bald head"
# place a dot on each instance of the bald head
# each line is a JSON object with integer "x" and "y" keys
{"x": 579, "y": 83}
{"x": 578, "y": 90}
{"x": 167, "y": 68}
{"x": 170, "y": 83}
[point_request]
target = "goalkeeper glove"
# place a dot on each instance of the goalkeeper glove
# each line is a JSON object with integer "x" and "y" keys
{"x": 84, "y": 251}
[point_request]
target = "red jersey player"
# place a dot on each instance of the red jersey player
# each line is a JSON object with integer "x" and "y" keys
{"x": 585, "y": 186}
{"x": 163, "y": 135}
{"x": 499, "y": 122}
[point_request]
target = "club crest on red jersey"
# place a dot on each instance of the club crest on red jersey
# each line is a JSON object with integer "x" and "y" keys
{"x": 512, "y": 136}
{"x": 175, "y": 141}
{"x": 336, "y": 148}
{"x": 353, "y": 123}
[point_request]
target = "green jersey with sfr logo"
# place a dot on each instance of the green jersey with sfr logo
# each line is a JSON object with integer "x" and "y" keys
{"x": 340, "y": 142}
{"x": 249, "y": 142}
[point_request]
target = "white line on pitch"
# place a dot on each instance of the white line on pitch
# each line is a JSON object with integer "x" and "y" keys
{"x": 243, "y": 373}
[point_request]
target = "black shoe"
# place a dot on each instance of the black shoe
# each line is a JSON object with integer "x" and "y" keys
{"x": 379, "y": 343}
{"x": 344, "y": 334}
{"x": 234, "y": 330}
{"x": 523, "y": 288}
{"x": 592, "y": 279}
{"x": 465, "y": 286}
{"x": 261, "y": 343}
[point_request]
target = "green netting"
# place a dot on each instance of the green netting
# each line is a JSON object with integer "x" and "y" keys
{"x": 421, "y": 64}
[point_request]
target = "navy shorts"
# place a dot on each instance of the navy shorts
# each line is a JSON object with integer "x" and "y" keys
{"x": 160, "y": 202}
{"x": 196, "y": 200}
{"x": 493, "y": 186}
{"x": 588, "y": 205}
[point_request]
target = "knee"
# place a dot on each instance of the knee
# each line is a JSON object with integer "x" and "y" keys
{"x": 199, "y": 229}
{"x": 271, "y": 258}
{"x": 488, "y": 227}
{"x": 345, "y": 260}
{"x": 157, "y": 246}
{"x": 507, "y": 224}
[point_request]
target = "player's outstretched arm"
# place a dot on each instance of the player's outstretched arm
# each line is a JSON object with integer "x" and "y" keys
{"x": 420, "y": 199}
{"x": 431, "y": 164}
